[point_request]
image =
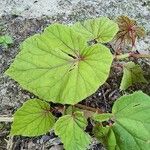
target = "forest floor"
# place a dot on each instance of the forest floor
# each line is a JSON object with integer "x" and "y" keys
{"x": 23, "y": 18}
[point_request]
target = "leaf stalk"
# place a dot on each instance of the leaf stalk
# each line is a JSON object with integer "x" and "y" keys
{"x": 131, "y": 54}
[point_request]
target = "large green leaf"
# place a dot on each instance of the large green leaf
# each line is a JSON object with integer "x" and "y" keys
{"x": 132, "y": 125}
{"x": 132, "y": 73}
{"x": 100, "y": 29}
{"x": 131, "y": 122}
{"x": 32, "y": 119}
{"x": 59, "y": 66}
{"x": 70, "y": 128}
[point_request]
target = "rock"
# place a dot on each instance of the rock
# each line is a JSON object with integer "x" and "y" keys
{"x": 56, "y": 147}
{"x": 32, "y": 16}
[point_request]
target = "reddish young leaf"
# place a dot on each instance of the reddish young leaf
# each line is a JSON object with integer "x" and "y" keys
{"x": 128, "y": 32}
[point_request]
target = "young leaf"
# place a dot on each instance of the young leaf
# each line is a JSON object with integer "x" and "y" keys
{"x": 100, "y": 29}
{"x": 131, "y": 123}
{"x": 132, "y": 74}
{"x": 102, "y": 117}
{"x": 70, "y": 128}
{"x": 33, "y": 119}
{"x": 59, "y": 66}
{"x": 106, "y": 136}
{"x": 6, "y": 40}
{"x": 129, "y": 31}
{"x": 70, "y": 110}
{"x": 1, "y": 39}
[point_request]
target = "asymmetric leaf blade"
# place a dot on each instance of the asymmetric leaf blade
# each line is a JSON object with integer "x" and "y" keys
{"x": 100, "y": 29}
{"x": 131, "y": 123}
{"x": 59, "y": 66}
{"x": 33, "y": 119}
{"x": 70, "y": 128}
{"x": 132, "y": 126}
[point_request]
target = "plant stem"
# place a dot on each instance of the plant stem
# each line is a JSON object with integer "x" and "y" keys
{"x": 89, "y": 108}
{"x": 122, "y": 56}
{"x": 127, "y": 55}
{"x": 140, "y": 55}
{"x": 6, "y": 119}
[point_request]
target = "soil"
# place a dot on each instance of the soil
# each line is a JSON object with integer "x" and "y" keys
{"x": 20, "y": 26}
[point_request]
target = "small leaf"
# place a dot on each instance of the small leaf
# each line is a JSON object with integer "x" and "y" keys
{"x": 106, "y": 136}
{"x": 6, "y": 39}
{"x": 33, "y": 119}
{"x": 58, "y": 65}
{"x": 70, "y": 110}
{"x": 101, "y": 132}
{"x": 1, "y": 39}
{"x": 102, "y": 117}
{"x": 70, "y": 128}
{"x": 132, "y": 74}
{"x": 100, "y": 29}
